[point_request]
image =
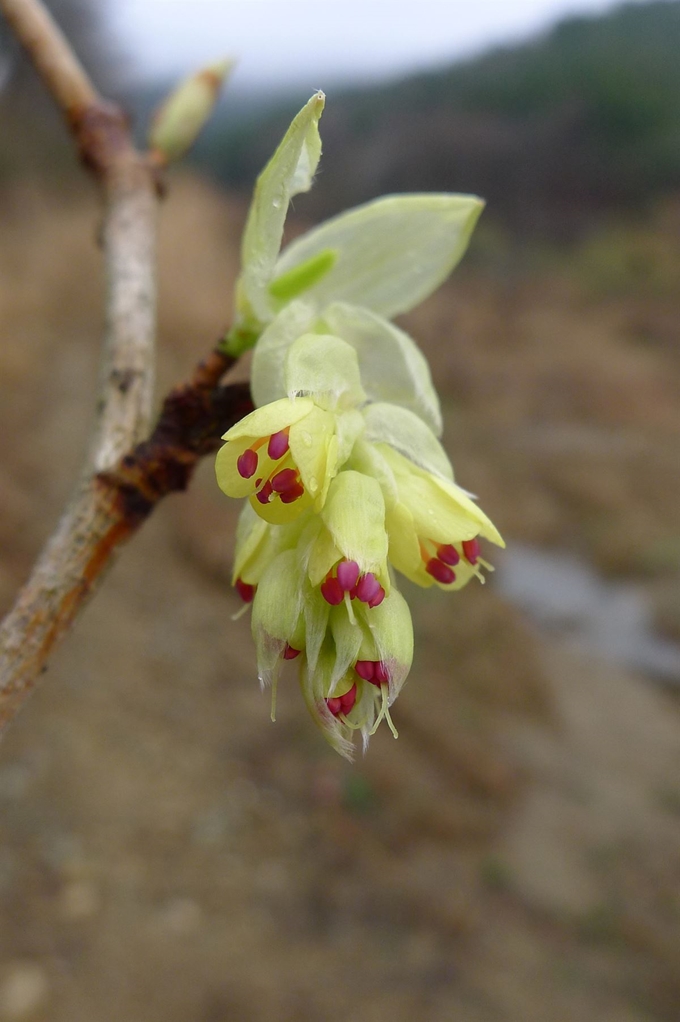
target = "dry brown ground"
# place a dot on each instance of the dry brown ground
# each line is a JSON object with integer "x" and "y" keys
{"x": 168, "y": 854}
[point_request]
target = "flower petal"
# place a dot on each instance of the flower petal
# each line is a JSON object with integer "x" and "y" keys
{"x": 323, "y": 555}
{"x": 270, "y": 418}
{"x": 441, "y": 510}
{"x": 267, "y": 382}
{"x": 229, "y": 479}
{"x": 313, "y": 445}
{"x": 289, "y": 172}
{"x": 392, "y": 629}
{"x": 392, "y": 366}
{"x": 404, "y": 550}
{"x": 276, "y": 608}
{"x": 348, "y": 638}
{"x": 316, "y": 612}
{"x": 326, "y": 368}
{"x": 407, "y": 433}
{"x": 354, "y": 514}
{"x": 368, "y": 459}
{"x": 392, "y": 253}
{"x": 315, "y": 683}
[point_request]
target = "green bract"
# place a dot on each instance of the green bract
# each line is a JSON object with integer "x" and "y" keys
{"x": 391, "y": 253}
{"x": 290, "y": 171}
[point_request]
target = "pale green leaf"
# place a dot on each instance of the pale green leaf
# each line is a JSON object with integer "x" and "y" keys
{"x": 391, "y": 253}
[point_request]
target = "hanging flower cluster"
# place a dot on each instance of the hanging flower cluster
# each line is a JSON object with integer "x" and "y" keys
{"x": 340, "y": 461}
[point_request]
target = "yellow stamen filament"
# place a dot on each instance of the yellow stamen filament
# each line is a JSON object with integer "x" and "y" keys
{"x": 384, "y": 714}
{"x": 350, "y": 609}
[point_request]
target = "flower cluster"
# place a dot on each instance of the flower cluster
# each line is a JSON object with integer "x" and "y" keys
{"x": 340, "y": 462}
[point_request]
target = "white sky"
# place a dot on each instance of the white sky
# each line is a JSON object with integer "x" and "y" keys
{"x": 320, "y": 41}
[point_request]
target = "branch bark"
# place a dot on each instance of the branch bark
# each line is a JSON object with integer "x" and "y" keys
{"x": 121, "y": 482}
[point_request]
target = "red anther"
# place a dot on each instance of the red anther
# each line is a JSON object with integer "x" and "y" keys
{"x": 289, "y": 653}
{"x": 448, "y": 554}
{"x": 284, "y": 480}
{"x": 353, "y": 593}
{"x": 365, "y": 669}
{"x": 258, "y": 482}
{"x": 334, "y": 705}
{"x": 471, "y": 550}
{"x": 331, "y": 591}
{"x": 348, "y": 574}
{"x": 348, "y": 700}
{"x": 376, "y": 600}
{"x": 265, "y": 493}
{"x": 245, "y": 591}
{"x": 247, "y": 464}
{"x": 292, "y": 494}
{"x": 367, "y": 587}
{"x": 278, "y": 445}
{"x": 381, "y": 675}
{"x": 440, "y": 571}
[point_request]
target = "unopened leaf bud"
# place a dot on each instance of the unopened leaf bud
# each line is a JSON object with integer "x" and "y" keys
{"x": 179, "y": 120}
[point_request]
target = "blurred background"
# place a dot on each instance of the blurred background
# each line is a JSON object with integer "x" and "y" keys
{"x": 166, "y": 853}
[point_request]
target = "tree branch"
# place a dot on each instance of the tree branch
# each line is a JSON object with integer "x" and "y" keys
{"x": 117, "y": 490}
{"x": 52, "y": 56}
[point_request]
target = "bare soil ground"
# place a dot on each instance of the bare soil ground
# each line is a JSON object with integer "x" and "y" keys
{"x": 166, "y": 853}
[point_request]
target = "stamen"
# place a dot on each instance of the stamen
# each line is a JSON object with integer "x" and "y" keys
{"x": 448, "y": 554}
{"x": 424, "y": 552}
{"x": 348, "y": 574}
{"x": 350, "y": 609}
{"x": 291, "y": 495}
{"x": 349, "y": 699}
{"x": 368, "y": 587}
{"x": 278, "y": 444}
{"x": 440, "y": 571}
{"x": 289, "y": 653}
{"x": 365, "y": 669}
{"x": 284, "y": 480}
{"x": 247, "y": 463}
{"x": 384, "y": 713}
{"x": 331, "y": 591}
{"x": 265, "y": 493}
{"x": 245, "y": 591}
{"x": 471, "y": 550}
{"x": 275, "y": 688}
{"x": 381, "y": 675}
{"x": 343, "y": 704}
{"x": 334, "y": 705}
{"x": 378, "y": 598}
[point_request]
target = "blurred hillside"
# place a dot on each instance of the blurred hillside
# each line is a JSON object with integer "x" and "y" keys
{"x": 582, "y": 120}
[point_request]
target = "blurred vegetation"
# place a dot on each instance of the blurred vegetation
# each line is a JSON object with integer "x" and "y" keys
{"x": 583, "y": 119}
